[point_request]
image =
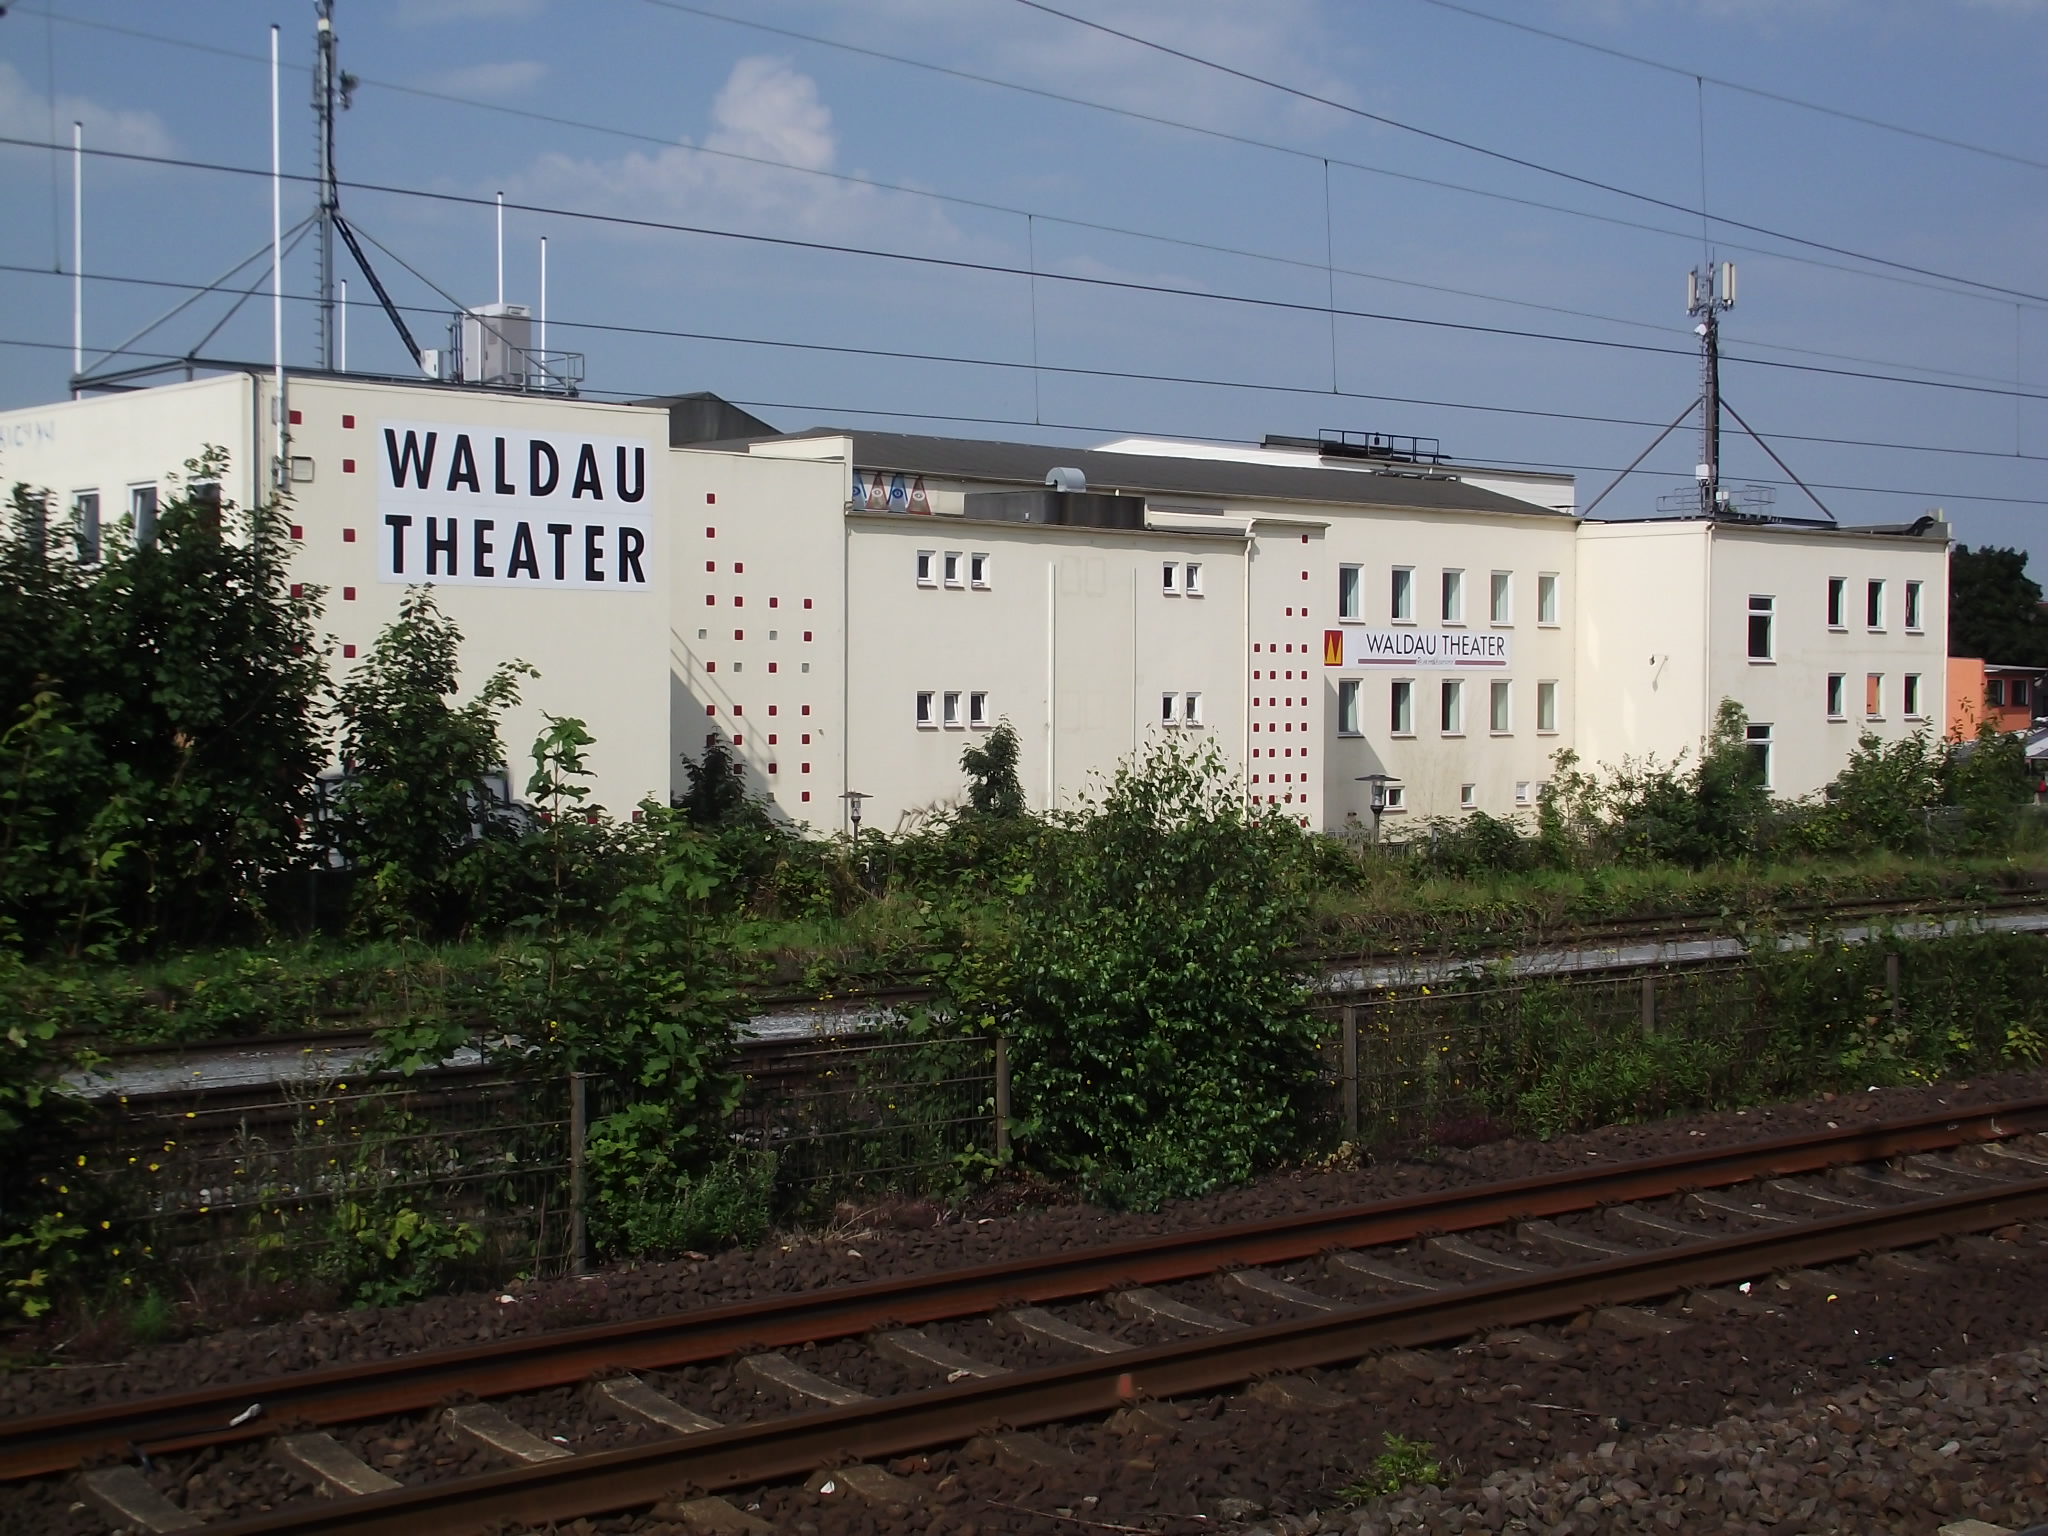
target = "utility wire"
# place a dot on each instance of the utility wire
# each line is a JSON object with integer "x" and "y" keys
{"x": 1120, "y": 375}
{"x": 1516, "y": 160}
{"x": 999, "y": 269}
{"x": 1736, "y": 85}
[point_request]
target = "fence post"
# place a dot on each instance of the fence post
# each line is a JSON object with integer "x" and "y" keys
{"x": 578, "y": 1125}
{"x": 1649, "y": 1004}
{"x": 1891, "y": 983}
{"x": 1350, "y": 1073}
{"x": 1002, "y": 1098}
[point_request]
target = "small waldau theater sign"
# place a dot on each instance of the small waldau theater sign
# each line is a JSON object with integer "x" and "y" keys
{"x": 478, "y": 508}
{"x": 1418, "y": 649}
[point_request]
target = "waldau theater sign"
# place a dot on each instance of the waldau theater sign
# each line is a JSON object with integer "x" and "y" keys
{"x": 475, "y": 507}
{"x": 1415, "y": 649}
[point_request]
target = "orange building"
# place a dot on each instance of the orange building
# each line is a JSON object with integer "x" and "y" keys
{"x": 1980, "y": 690}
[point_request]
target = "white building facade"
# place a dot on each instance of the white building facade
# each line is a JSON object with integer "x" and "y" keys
{"x": 848, "y": 610}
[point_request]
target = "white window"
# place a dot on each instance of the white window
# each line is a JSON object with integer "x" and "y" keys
{"x": 1169, "y": 579}
{"x": 87, "y": 505}
{"x": 1909, "y": 702}
{"x": 1347, "y": 707}
{"x": 977, "y": 708}
{"x": 1838, "y": 602}
{"x": 955, "y": 564}
{"x": 1468, "y": 797}
{"x": 1873, "y": 605}
{"x": 142, "y": 508}
{"x": 1916, "y": 617}
{"x": 1873, "y": 696}
{"x": 1191, "y": 578}
{"x": 1838, "y": 706}
{"x": 1759, "y": 743}
{"x": 977, "y": 570}
{"x": 1403, "y": 713}
{"x": 1402, "y": 600}
{"x": 1499, "y": 715}
{"x": 1191, "y": 709}
{"x": 1546, "y": 708}
{"x": 1454, "y": 706}
{"x": 1397, "y": 797}
{"x": 1454, "y": 597}
{"x": 924, "y": 710}
{"x": 1348, "y": 599}
{"x": 1503, "y": 597}
{"x": 952, "y": 708}
{"x": 1521, "y": 791}
{"x": 1546, "y": 598}
{"x": 1760, "y": 614}
{"x": 927, "y": 567}
{"x": 1169, "y": 709}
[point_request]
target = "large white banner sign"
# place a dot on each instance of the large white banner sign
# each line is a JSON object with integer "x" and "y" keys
{"x": 1415, "y": 649}
{"x": 476, "y": 507}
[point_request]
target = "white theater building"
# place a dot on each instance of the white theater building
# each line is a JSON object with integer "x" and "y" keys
{"x": 850, "y": 609}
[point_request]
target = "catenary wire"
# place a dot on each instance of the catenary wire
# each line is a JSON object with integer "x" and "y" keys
{"x": 1124, "y": 375}
{"x": 1726, "y": 84}
{"x": 1246, "y": 140}
{"x": 999, "y": 269}
{"x": 1516, "y": 160}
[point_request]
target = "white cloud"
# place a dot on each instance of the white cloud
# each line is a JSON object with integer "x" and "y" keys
{"x": 772, "y": 111}
{"x": 427, "y": 13}
{"x": 505, "y": 79}
{"x": 25, "y": 114}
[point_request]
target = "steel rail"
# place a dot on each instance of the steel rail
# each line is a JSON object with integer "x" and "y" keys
{"x": 606, "y": 1481}
{"x": 377, "y": 1389}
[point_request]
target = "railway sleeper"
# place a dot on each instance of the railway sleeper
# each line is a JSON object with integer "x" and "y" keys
{"x": 780, "y": 1373}
{"x": 130, "y": 1501}
{"x": 628, "y": 1397}
{"x": 1256, "y": 1282}
{"x": 488, "y": 1427}
{"x": 1381, "y": 1275}
{"x": 865, "y": 1480}
{"x": 719, "y": 1517}
{"x": 1037, "y": 1323}
{"x": 920, "y": 1351}
{"x": 332, "y": 1467}
{"x": 1150, "y": 1305}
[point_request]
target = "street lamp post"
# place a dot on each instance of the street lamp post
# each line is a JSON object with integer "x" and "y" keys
{"x": 853, "y": 799}
{"x": 1378, "y": 781}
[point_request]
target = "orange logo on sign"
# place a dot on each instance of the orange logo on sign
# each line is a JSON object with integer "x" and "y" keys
{"x": 1333, "y": 647}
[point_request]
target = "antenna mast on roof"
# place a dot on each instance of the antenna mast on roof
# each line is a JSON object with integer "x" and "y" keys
{"x": 1708, "y": 291}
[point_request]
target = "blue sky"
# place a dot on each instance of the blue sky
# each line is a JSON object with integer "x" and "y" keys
{"x": 1263, "y": 211}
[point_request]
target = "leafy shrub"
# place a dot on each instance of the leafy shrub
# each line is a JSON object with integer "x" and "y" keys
{"x": 1403, "y": 1464}
{"x": 390, "y": 1256}
{"x": 646, "y": 1201}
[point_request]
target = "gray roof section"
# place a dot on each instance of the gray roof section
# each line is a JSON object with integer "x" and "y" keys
{"x": 1027, "y": 464}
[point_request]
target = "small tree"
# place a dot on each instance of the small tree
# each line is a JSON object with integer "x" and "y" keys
{"x": 415, "y": 794}
{"x": 717, "y": 789}
{"x": 991, "y": 766}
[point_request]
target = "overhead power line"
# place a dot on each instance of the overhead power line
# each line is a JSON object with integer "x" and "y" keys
{"x": 1736, "y": 85}
{"x": 1071, "y": 279}
{"x": 1505, "y": 158}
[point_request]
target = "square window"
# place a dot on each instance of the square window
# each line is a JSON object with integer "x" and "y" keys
{"x": 1169, "y": 709}
{"x": 1546, "y": 707}
{"x": 1347, "y": 707}
{"x": 955, "y": 564}
{"x": 1453, "y": 713}
{"x": 1402, "y": 715}
{"x": 1546, "y": 598}
{"x": 951, "y": 705}
{"x": 1454, "y": 597}
{"x": 1191, "y": 709}
{"x": 1909, "y": 699}
{"x": 1191, "y": 579}
{"x": 1916, "y": 617}
{"x": 1169, "y": 579}
{"x": 1347, "y": 592}
{"x": 1838, "y": 708}
{"x": 1503, "y": 593}
{"x": 1761, "y": 610}
{"x": 1401, "y": 601}
{"x": 924, "y": 711}
{"x": 1397, "y": 797}
{"x": 1838, "y": 602}
{"x": 1468, "y": 797}
{"x": 977, "y": 708}
{"x": 927, "y": 563}
{"x": 1873, "y": 696}
{"x": 1521, "y": 791}
{"x": 1499, "y": 716}
{"x": 978, "y": 570}
{"x": 1873, "y": 605}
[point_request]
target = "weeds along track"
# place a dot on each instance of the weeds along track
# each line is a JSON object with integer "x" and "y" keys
{"x": 718, "y": 1398}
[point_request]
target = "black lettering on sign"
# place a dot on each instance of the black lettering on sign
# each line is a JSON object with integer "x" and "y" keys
{"x": 501, "y": 485}
{"x": 522, "y": 554}
{"x": 639, "y": 475}
{"x": 561, "y": 531}
{"x": 438, "y": 545}
{"x": 593, "y": 552}
{"x": 631, "y": 544}
{"x": 462, "y": 467}
{"x": 535, "y": 452}
{"x": 481, "y": 548}
{"x": 586, "y": 476}
{"x": 398, "y": 524}
{"x": 409, "y": 459}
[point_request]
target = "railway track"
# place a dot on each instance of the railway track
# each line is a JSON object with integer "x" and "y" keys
{"x": 1321, "y": 1288}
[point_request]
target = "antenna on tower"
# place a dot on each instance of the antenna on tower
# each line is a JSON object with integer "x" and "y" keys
{"x": 1708, "y": 291}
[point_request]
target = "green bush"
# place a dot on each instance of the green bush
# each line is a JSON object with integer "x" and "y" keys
{"x": 645, "y": 1201}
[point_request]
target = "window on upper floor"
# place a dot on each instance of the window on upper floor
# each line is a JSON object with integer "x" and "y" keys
{"x": 1454, "y": 597}
{"x": 1838, "y": 701}
{"x": 1169, "y": 578}
{"x": 927, "y": 567}
{"x": 1546, "y": 707}
{"x": 1502, "y": 595}
{"x": 978, "y": 570}
{"x": 1546, "y": 598}
{"x": 1761, "y": 612}
{"x": 1838, "y": 602}
{"x": 924, "y": 709}
{"x": 1873, "y": 605}
{"x": 1916, "y": 616}
{"x": 1909, "y": 696}
{"x": 977, "y": 708}
{"x": 1348, "y": 598}
{"x": 1401, "y": 600}
{"x": 1401, "y": 715}
{"x": 1191, "y": 579}
{"x": 1347, "y": 707}
{"x": 1500, "y": 713}
{"x": 1453, "y": 699}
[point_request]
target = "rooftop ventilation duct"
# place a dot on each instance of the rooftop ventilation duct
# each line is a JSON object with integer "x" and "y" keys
{"x": 1066, "y": 480}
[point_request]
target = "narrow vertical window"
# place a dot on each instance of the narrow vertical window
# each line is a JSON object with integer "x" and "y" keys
{"x": 1347, "y": 707}
{"x": 1546, "y": 707}
{"x": 977, "y": 570}
{"x": 1758, "y": 740}
{"x": 1873, "y": 696}
{"x": 1498, "y": 714}
{"x": 1169, "y": 579}
{"x": 1169, "y": 709}
{"x": 1916, "y": 618}
{"x": 1502, "y": 597}
{"x": 926, "y": 559}
{"x": 87, "y": 504}
{"x": 952, "y": 709}
{"x": 1546, "y": 598}
{"x": 1873, "y": 606}
{"x": 1402, "y": 716}
{"x": 1838, "y": 708}
{"x": 1909, "y": 701}
{"x": 1454, "y": 597}
{"x": 1401, "y": 605}
{"x": 1191, "y": 578}
{"x": 954, "y": 564}
{"x": 924, "y": 708}
{"x": 1838, "y": 602}
{"x": 1347, "y": 592}
{"x": 1760, "y": 614}
{"x": 1453, "y": 706}
{"x": 142, "y": 508}
{"x": 977, "y": 708}
{"x": 1191, "y": 709}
